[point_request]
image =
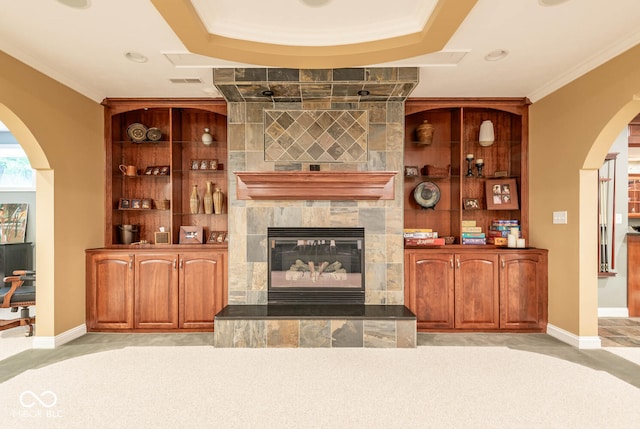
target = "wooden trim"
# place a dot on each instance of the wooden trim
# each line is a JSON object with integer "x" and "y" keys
{"x": 316, "y": 185}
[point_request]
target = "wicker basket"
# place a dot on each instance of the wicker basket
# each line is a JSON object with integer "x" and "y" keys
{"x": 433, "y": 171}
{"x": 162, "y": 204}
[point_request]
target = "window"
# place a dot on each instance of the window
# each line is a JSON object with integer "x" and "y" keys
{"x": 16, "y": 173}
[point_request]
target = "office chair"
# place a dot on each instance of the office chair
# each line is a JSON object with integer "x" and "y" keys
{"x": 17, "y": 294}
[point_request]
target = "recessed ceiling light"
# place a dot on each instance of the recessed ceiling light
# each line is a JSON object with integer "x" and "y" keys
{"x": 363, "y": 93}
{"x": 78, "y": 4}
{"x": 551, "y": 2}
{"x": 267, "y": 93}
{"x": 136, "y": 57}
{"x": 496, "y": 55}
{"x": 316, "y": 3}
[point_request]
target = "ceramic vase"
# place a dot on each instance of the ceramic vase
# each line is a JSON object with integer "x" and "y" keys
{"x": 194, "y": 201}
{"x": 424, "y": 133}
{"x": 207, "y": 138}
{"x": 218, "y": 200}
{"x": 208, "y": 199}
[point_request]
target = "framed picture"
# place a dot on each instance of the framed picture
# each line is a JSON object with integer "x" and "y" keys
{"x": 470, "y": 204}
{"x": 13, "y": 222}
{"x": 204, "y": 164}
{"x": 124, "y": 203}
{"x": 164, "y": 170}
{"x": 502, "y": 194}
{"x": 191, "y": 234}
{"x": 195, "y": 164}
{"x": 411, "y": 171}
{"x": 213, "y": 164}
{"x": 148, "y": 171}
{"x": 145, "y": 203}
{"x": 136, "y": 204}
{"x": 217, "y": 237}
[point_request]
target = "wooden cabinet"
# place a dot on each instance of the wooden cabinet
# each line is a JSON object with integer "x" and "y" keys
{"x": 633, "y": 274}
{"x": 167, "y": 168}
{"x": 461, "y": 288}
{"x": 523, "y": 290}
{"x": 110, "y": 277}
{"x": 155, "y": 290}
{"x": 476, "y": 291}
{"x": 456, "y": 134}
{"x": 634, "y": 195}
{"x": 203, "y": 291}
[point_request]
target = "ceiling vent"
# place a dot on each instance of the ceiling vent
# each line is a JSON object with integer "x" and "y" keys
{"x": 185, "y": 80}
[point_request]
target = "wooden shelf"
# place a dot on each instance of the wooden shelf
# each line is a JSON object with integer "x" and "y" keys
{"x": 316, "y": 185}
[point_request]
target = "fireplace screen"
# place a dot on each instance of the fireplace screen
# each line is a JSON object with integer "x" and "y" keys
{"x": 316, "y": 265}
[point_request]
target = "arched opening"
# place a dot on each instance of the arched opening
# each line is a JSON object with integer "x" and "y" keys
{"x": 44, "y": 219}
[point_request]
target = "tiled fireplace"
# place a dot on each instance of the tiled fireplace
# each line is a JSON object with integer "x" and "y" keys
{"x": 335, "y": 143}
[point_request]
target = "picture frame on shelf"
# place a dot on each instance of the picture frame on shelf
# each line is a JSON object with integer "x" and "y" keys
{"x": 502, "y": 194}
{"x": 190, "y": 234}
{"x": 148, "y": 171}
{"x": 162, "y": 237}
{"x": 145, "y": 203}
{"x": 164, "y": 170}
{"x": 471, "y": 204}
{"x": 411, "y": 171}
{"x": 217, "y": 237}
{"x": 135, "y": 203}
{"x": 124, "y": 203}
{"x": 195, "y": 164}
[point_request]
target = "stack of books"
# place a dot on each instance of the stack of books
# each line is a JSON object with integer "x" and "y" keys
{"x": 472, "y": 234}
{"x": 500, "y": 229}
{"x": 422, "y": 237}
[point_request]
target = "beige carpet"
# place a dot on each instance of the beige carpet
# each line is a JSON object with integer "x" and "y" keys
{"x": 427, "y": 387}
{"x": 13, "y": 341}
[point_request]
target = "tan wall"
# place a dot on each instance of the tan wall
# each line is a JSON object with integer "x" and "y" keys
{"x": 571, "y": 131}
{"x": 62, "y": 134}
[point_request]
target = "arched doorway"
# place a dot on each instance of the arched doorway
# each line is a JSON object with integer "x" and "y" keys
{"x": 44, "y": 220}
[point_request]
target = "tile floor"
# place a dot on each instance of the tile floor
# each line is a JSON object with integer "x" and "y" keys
{"x": 619, "y": 332}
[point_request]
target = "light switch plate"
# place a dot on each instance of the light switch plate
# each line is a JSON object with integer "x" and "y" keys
{"x": 618, "y": 218}
{"x": 560, "y": 217}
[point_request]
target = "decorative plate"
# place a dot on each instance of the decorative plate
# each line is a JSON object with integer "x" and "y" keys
{"x": 154, "y": 134}
{"x": 427, "y": 195}
{"x": 137, "y": 132}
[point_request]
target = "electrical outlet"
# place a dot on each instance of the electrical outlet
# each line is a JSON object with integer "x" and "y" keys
{"x": 560, "y": 217}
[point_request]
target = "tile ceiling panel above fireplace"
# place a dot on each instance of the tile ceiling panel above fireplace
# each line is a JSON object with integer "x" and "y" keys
{"x": 370, "y": 84}
{"x": 316, "y": 135}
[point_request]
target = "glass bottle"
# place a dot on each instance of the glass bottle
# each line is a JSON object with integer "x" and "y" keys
{"x": 194, "y": 201}
{"x": 208, "y": 199}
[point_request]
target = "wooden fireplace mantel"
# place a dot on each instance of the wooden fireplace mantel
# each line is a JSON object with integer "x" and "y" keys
{"x": 315, "y": 185}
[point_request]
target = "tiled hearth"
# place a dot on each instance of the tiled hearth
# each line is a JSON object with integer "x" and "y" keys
{"x": 379, "y": 93}
{"x": 374, "y": 326}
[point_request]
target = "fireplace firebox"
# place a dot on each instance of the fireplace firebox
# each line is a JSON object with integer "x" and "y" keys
{"x": 316, "y": 266}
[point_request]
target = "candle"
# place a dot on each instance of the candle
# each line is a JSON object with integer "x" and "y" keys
{"x": 480, "y": 161}
{"x": 470, "y": 156}
{"x": 520, "y": 243}
{"x": 511, "y": 240}
{"x": 515, "y": 231}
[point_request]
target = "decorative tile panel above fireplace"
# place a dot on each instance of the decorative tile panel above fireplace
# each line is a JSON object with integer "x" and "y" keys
{"x": 316, "y": 135}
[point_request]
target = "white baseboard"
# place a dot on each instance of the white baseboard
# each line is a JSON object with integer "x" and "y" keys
{"x": 60, "y": 339}
{"x": 613, "y": 312}
{"x": 573, "y": 339}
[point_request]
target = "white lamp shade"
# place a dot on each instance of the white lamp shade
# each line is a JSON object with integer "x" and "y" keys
{"x": 487, "y": 136}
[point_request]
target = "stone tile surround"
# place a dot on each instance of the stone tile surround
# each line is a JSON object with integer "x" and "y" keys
{"x": 306, "y": 90}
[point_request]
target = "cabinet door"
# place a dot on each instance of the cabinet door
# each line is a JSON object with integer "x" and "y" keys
{"x": 476, "y": 291}
{"x": 156, "y": 292}
{"x": 109, "y": 291}
{"x": 202, "y": 288}
{"x": 521, "y": 305}
{"x": 429, "y": 289}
